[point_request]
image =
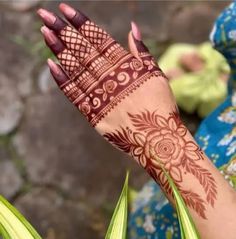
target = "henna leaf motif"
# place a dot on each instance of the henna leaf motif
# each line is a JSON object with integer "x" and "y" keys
{"x": 144, "y": 121}
{"x": 194, "y": 201}
{"x": 132, "y": 143}
{"x": 182, "y": 131}
{"x": 121, "y": 139}
{"x": 176, "y": 174}
{"x": 190, "y": 146}
{"x": 205, "y": 178}
{"x": 125, "y": 65}
{"x": 172, "y": 124}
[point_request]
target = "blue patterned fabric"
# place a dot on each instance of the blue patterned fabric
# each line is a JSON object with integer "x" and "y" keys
{"x": 217, "y": 133}
{"x": 151, "y": 216}
{"x": 223, "y": 38}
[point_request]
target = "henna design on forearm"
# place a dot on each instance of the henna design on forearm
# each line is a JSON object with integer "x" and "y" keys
{"x": 167, "y": 137}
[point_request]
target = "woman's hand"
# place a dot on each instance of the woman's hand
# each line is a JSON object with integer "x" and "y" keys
{"x": 126, "y": 97}
{"x": 98, "y": 74}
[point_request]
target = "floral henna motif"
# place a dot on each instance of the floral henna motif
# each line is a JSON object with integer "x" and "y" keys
{"x": 167, "y": 138}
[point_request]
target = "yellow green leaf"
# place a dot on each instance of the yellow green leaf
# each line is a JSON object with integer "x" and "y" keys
{"x": 118, "y": 225}
{"x": 13, "y": 225}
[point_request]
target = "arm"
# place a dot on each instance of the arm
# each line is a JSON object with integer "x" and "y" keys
{"x": 127, "y": 99}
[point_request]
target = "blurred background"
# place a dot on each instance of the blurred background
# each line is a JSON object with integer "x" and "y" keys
{"x": 56, "y": 169}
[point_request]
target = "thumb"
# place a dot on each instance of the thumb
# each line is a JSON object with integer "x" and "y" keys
{"x": 136, "y": 46}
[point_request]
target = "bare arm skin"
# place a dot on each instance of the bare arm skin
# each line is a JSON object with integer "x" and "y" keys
{"x": 126, "y": 98}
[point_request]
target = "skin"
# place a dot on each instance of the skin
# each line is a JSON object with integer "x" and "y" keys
{"x": 126, "y": 98}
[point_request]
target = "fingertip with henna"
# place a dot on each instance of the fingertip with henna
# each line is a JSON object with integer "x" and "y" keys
{"x": 57, "y": 73}
{"x": 137, "y": 37}
{"x": 51, "y": 20}
{"x": 49, "y": 36}
{"x": 75, "y": 17}
{"x": 47, "y": 17}
{"x": 53, "y": 67}
{"x": 53, "y": 42}
{"x": 45, "y": 30}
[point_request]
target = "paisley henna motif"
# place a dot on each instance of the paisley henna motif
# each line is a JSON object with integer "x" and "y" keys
{"x": 167, "y": 138}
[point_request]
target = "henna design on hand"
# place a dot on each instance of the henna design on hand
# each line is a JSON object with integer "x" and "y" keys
{"x": 101, "y": 72}
{"x": 98, "y": 75}
{"x": 167, "y": 137}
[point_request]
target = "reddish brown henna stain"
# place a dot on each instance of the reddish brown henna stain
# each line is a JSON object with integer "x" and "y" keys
{"x": 167, "y": 137}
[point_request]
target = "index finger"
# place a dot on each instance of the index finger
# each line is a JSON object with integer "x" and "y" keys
{"x": 98, "y": 37}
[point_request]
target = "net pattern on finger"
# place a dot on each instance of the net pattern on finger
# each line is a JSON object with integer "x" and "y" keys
{"x": 103, "y": 41}
{"x": 69, "y": 62}
{"x": 78, "y": 45}
{"x": 84, "y": 52}
{"x": 93, "y": 33}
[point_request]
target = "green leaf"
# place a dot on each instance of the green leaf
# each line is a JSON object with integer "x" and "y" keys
{"x": 13, "y": 225}
{"x": 187, "y": 226}
{"x": 118, "y": 225}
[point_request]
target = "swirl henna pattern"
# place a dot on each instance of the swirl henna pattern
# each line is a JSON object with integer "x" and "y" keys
{"x": 108, "y": 85}
{"x": 166, "y": 137}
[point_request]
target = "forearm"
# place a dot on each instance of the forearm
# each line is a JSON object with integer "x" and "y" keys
{"x": 208, "y": 196}
{"x": 214, "y": 206}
